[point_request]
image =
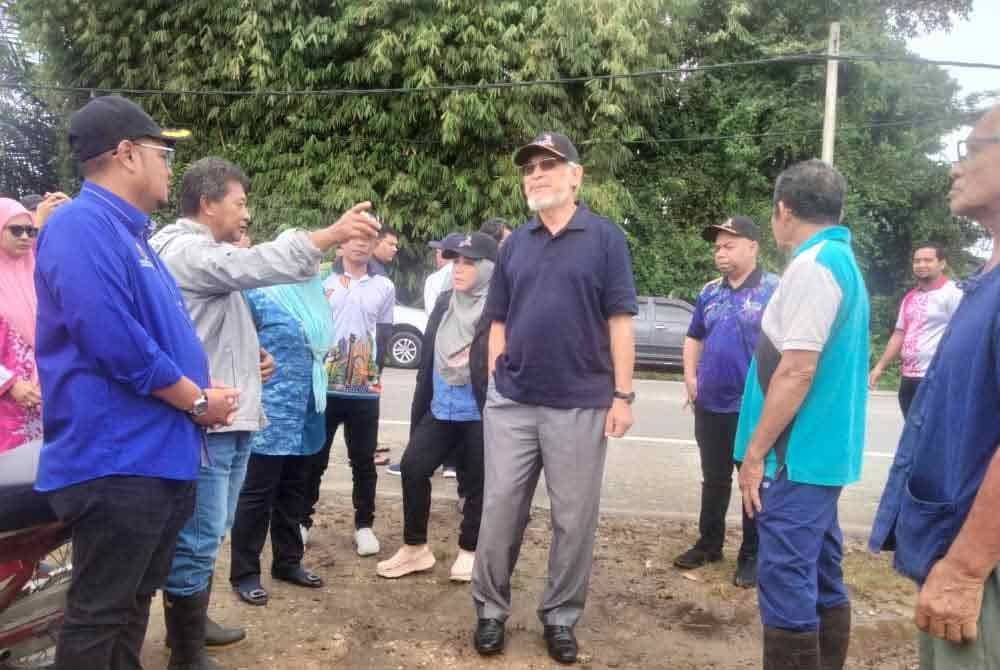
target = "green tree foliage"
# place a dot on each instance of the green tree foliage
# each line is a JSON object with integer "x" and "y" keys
{"x": 431, "y": 162}
{"x": 28, "y": 154}
{"x": 437, "y": 161}
{"x": 891, "y": 118}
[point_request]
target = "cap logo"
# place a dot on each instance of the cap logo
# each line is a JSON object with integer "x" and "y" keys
{"x": 546, "y": 141}
{"x": 467, "y": 242}
{"x": 176, "y": 134}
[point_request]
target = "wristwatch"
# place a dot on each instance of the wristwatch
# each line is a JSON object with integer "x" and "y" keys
{"x": 200, "y": 406}
{"x": 627, "y": 397}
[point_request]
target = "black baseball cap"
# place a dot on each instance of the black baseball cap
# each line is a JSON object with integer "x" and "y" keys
{"x": 476, "y": 246}
{"x": 741, "y": 226}
{"x": 439, "y": 244}
{"x": 551, "y": 143}
{"x": 103, "y": 122}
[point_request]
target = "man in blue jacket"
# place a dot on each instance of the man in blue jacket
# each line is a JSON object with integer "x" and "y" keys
{"x": 939, "y": 508}
{"x": 125, "y": 385}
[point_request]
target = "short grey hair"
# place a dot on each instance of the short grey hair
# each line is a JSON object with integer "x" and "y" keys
{"x": 209, "y": 178}
{"x": 813, "y": 190}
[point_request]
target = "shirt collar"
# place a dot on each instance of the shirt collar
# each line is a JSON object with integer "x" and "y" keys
{"x": 577, "y": 222}
{"x": 752, "y": 280}
{"x": 831, "y": 233}
{"x": 135, "y": 220}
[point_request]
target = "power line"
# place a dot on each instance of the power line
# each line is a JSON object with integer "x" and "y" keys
{"x": 962, "y": 117}
{"x": 501, "y": 85}
{"x": 912, "y": 60}
{"x": 344, "y": 92}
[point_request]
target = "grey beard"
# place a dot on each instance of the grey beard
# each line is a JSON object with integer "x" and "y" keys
{"x": 542, "y": 204}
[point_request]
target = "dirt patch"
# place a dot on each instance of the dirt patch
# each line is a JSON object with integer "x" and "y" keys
{"x": 641, "y": 613}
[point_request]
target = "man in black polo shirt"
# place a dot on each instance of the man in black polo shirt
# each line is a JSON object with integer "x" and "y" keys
{"x": 561, "y": 354}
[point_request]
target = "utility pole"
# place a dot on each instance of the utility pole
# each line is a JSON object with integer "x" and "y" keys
{"x": 830, "y": 113}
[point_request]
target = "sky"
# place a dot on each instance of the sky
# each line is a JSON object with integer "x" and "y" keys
{"x": 969, "y": 40}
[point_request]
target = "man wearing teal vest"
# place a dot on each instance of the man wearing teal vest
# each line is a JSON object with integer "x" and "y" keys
{"x": 802, "y": 423}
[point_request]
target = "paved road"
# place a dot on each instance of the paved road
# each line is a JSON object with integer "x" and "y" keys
{"x": 653, "y": 470}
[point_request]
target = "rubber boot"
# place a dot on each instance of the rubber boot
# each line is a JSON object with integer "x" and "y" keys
{"x": 185, "y": 619}
{"x": 834, "y": 636}
{"x": 790, "y": 650}
{"x": 216, "y": 635}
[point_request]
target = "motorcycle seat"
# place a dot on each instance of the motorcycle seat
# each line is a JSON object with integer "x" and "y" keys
{"x": 20, "y": 505}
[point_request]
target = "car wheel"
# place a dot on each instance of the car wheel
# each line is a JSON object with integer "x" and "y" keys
{"x": 404, "y": 349}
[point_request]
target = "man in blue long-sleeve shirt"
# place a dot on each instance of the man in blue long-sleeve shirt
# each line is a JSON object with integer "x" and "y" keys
{"x": 125, "y": 382}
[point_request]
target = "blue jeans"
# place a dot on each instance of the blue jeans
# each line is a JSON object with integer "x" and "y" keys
{"x": 801, "y": 547}
{"x": 219, "y": 484}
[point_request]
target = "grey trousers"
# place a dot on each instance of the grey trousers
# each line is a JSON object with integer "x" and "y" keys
{"x": 519, "y": 441}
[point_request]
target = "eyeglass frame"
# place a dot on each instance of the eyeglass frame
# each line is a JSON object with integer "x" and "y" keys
{"x": 18, "y": 231}
{"x": 168, "y": 152}
{"x": 553, "y": 161}
{"x": 961, "y": 148}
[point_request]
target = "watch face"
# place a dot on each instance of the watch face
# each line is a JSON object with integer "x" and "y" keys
{"x": 200, "y": 406}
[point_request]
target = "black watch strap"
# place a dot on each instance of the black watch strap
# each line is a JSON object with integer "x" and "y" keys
{"x": 627, "y": 397}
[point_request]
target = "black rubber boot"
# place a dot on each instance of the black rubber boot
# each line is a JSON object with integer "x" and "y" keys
{"x": 216, "y": 635}
{"x": 834, "y": 636}
{"x": 789, "y": 650}
{"x": 185, "y": 618}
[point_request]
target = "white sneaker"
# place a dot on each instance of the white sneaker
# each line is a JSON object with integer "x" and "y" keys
{"x": 304, "y": 532}
{"x": 366, "y": 542}
{"x": 461, "y": 569}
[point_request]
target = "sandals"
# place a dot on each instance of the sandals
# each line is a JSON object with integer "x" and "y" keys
{"x": 250, "y": 591}
{"x": 300, "y": 577}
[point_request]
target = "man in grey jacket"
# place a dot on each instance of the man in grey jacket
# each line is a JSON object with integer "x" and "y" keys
{"x": 199, "y": 249}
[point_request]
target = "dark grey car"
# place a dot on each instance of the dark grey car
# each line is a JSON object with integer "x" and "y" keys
{"x": 660, "y": 328}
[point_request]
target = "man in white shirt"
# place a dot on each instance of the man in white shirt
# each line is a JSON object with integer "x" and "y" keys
{"x": 923, "y": 316}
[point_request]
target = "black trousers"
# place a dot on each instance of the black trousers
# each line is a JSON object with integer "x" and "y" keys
{"x": 273, "y": 496}
{"x": 715, "y": 434}
{"x": 360, "y": 421}
{"x": 430, "y": 444}
{"x": 907, "y": 392}
{"x": 124, "y": 532}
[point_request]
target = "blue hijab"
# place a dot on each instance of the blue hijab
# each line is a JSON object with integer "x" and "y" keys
{"x": 307, "y": 303}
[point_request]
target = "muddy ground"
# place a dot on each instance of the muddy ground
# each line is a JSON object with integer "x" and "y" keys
{"x": 641, "y": 613}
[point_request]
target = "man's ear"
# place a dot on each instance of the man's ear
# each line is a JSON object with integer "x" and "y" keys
{"x": 206, "y": 206}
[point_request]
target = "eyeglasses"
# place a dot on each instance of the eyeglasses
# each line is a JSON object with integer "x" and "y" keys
{"x": 168, "y": 153}
{"x": 966, "y": 148}
{"x": 545, "y": 165}
{"x": 23, "y": 231}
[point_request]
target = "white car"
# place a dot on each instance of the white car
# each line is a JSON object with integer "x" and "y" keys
{"x": 407, "y": 341}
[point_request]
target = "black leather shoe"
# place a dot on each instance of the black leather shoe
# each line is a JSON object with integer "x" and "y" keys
{"x": 746, "y": 572}
{"x": 562, "y": 643}
{"x": 695, "y": 557}
{"x": 489, "y": 637}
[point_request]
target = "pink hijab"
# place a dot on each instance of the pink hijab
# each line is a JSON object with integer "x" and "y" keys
{"x": 18, "y": 303}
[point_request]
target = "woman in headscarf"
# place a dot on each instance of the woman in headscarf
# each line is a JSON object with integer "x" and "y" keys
{"x": 20, "y": 394}
{"x": 294, "y": 324}
{"x": 447, "y": 409}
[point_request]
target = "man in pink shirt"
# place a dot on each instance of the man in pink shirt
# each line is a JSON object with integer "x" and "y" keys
{"x": 923, "y": 316}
